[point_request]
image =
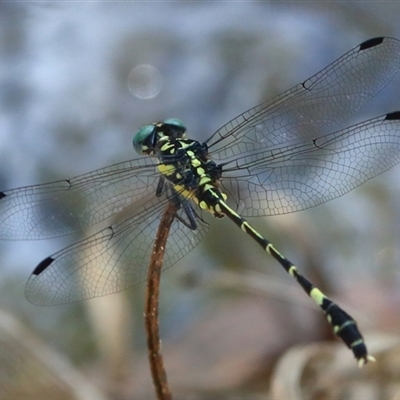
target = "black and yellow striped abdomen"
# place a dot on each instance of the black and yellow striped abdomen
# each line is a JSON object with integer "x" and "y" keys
{"x": 186, "y": 165}
{"x": 342, "y": 323}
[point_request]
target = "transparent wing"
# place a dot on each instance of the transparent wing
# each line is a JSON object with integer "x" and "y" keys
{"x": 308, "y": 109}
{"x": 270, "y": 161}
{"x": 111, "y": 260}
{"x": 302, "y": 174}
{"x": 63, "y": 207}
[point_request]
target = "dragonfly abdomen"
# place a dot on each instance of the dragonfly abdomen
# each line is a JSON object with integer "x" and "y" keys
{"x": 343, "y": 325}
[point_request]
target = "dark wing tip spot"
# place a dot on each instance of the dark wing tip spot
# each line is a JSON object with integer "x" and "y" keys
{"x": 393, "y": 115}
{"x": 2, "y": 194}
{"x": 371, "y": 43}
{"x": 42, "y": 266}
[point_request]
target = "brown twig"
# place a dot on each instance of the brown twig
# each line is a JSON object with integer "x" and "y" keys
{"x": 151, "y": 308}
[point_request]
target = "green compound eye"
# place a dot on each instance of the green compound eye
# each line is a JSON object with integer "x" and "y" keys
{"x": 175, "y": 122}
{"x": 141, "y": 137}
{"x": 174, "y": 128}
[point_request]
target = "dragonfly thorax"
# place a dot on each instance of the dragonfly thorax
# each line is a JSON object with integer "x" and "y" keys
{"x": 183, "y": 162}
{"x": 186, "y": 163}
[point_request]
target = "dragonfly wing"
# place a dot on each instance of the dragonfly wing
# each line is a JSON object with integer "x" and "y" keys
{"x": 63, "y": 207}
{"x": 300, "y": 175}
{"x": 310, "y": 108}
{"x": 111, "y": 260}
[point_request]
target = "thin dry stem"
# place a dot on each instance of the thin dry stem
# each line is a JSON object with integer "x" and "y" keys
{"x": 151, "y": 308}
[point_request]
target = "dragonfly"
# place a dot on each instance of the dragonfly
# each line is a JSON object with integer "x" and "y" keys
{"x": 279, "y": 157}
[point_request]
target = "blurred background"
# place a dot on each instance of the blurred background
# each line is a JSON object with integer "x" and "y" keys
{"x": 77, "y": 79}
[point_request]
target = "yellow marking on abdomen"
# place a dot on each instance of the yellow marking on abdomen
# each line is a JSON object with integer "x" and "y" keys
{"x": 293, "y": 271}
{"x": 317, "y": 296}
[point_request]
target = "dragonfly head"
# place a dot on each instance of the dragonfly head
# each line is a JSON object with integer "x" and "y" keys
{"x": 145, "y": 140}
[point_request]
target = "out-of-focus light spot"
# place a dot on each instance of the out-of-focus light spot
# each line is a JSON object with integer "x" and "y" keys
{"x": 144, "y": 81}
